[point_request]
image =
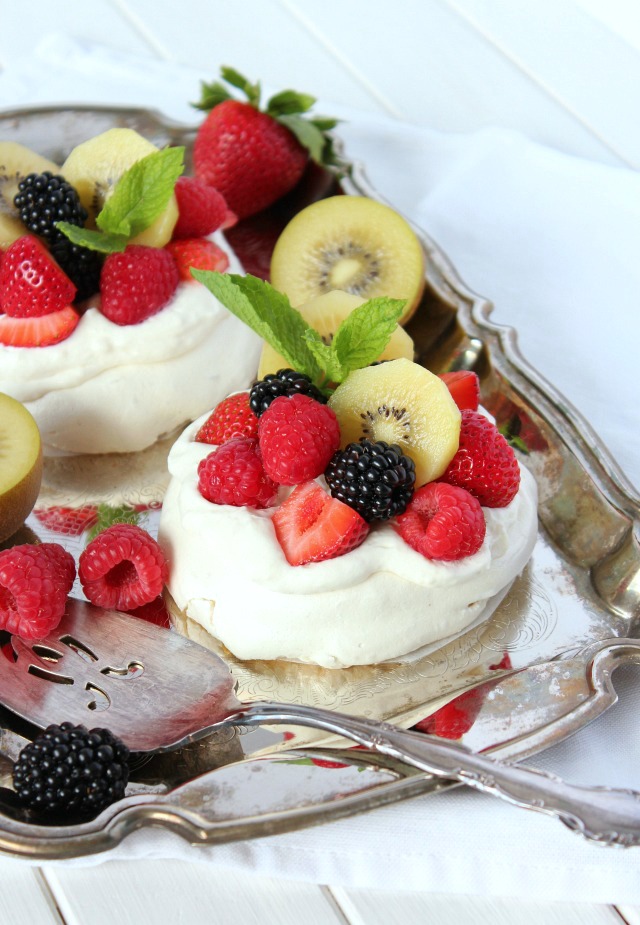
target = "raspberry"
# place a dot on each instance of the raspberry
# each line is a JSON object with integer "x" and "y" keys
{"x": 442, "y": 522}
{"x": 198, "y": 253}
{"x": 231, "y": 418}
{"x": 484, "y": 464}
{"x": 284, "y": 382}
{"x": 137, "y": 283}
{"x": 202, "y": 209}
{"x": 31, "y": 282}
{"x": 34, "y": 584}
{"x": 233, "y": 474}
{"x": 123, "y": 568}
{"x": 68, "y": 769}
{"x": 298, "y": 436}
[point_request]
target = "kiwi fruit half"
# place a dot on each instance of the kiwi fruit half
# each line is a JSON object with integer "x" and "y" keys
{"x": 401, "y": 402}
{"x": 20, "y": 465}
{"x": 351, "y": 243}
{"x": 95, "y": 166}
{"x": 325, "y": 314}
{"x": 16, "y": 163}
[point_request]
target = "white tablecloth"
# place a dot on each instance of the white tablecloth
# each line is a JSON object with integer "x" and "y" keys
{"x": 554, "y": 242}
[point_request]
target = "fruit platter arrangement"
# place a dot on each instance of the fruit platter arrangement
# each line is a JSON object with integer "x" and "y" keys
{"x": 247, "y": 402}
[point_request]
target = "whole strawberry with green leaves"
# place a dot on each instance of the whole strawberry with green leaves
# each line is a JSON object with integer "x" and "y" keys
{"x": 253, "y": 156}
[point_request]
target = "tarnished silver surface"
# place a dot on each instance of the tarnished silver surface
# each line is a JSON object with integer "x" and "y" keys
{"x": 550, "y": 649}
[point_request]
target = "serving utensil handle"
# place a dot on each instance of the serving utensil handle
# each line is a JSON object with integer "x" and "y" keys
{"x": 601, "y": 814}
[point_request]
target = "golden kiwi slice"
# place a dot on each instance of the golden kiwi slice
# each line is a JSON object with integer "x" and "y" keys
{"x": 351, "y": 243}
{"x": 95, "y": 166}
{"x": 16, "y": 162}
{"x": 20, "y": 465}
{"x": 325, "y": 314}
{"x": 401, "y": 402}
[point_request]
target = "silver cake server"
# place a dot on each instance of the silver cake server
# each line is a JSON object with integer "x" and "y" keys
{"x": 158, "y": 691}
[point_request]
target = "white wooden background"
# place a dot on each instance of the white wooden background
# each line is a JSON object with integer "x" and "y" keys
{"x": 566, "y": 73}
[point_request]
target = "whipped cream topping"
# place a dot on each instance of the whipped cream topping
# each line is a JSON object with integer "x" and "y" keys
{"x": 112, "y": 388}
{"x": 378, "y": 602}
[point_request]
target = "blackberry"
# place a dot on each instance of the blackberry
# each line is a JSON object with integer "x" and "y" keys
{"x": 82, "y": 265}
{"x": 44, "y": 199}
{"x": 69, "y": 770}
{"x": 284, "y": 382}
{"x": 375, "y": 479}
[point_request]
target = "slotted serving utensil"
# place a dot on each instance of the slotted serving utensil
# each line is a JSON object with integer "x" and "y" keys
{"x": 158, "y": 691}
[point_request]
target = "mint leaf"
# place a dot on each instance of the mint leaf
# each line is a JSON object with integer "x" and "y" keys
{"x": 289, "y": 102}
{"x": 240, "y": 82}
{"x": 268, "y": 312}
{"x": 325, "y": 357}
{"x": 142, "y": 193}
{"x": 308, "y": 134}
{"x": 365, "y": 332}
{"x": 211, "y": 95}
{"x": 94, "y": 240}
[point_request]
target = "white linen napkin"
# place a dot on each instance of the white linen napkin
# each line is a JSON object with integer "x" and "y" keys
{"x": 553, "y": 241}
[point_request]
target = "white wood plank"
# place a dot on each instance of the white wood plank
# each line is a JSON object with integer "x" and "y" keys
{"x": 260, "y": 38}
{"x": 24, "y": 897}
{"x": 95, "y": 21}
{"x": 174, "y": 891}
{"x": 592, "y": 72}
{"x": 382, "y": 908}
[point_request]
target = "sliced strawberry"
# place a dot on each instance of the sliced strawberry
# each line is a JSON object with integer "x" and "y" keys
{"x": 199, "y": 253}
{"x": 72, "y": 521}
{"x": 31, "y": 282}
{"x": 455, "y": 718}
{"x": 41, "y": 331}
{"x": 312, "y": 526}
{"x": 464, "y": 386}
{"x": 202, "y": 209}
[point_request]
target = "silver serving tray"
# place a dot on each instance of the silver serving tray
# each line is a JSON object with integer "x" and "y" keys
{"x": 546, "y": 657}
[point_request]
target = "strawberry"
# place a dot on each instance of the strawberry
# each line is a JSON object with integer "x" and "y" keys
{"x": 40, "y": 331}
{"x": 464, "y": 386}
{"x": 199, "y": 253}
{"x": 231, "y": 418}
{"x": 442, "y": 522}
{"x": 254, "y": 157}
{"x": 137, "y": 283}
{"x": 202, "y": 209}
{"x": 31, "y": 282}
{"x": 72, "y": 521}
{"x": 311, "y": 526}
{"x": 484, "y": 464}
{"x": 455, "y": 718}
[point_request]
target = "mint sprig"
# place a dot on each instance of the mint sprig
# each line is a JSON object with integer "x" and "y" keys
{"x": 359, "y": 340}
{"x": 140, "y": 196}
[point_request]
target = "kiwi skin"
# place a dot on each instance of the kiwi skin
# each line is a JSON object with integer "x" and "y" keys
{"x": 17, "y": 503}
{"x": 19, "y": 497}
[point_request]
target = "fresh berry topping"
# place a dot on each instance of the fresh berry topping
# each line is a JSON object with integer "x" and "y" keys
{"x": 455, "y": 718}
{"x": 31, "y": 282}
{"x": 38, "y": 332}
{"x": 375, "y": 479}
{"x": 82, "y": 266}
{"x": 464, "y": 386}
{"x": 442, "y": 522}
{"x": 199, "y": 253}
{"x": 312, "y": 526}
{"x": 137, "y": 283}
{"x": 202, "y": 209}
{"x": 71, "y": 521}
{"x": 123, "y": 567}
{"x": 69, "y": 770}
{"x": 34, "y": 584}
{"x": 485, "y": 464}
{"x": 233, "y": 474}
{"x": 44, "y": 199}
{"x": 298, "y": 436}
{"x": 231, "y": 418}
{"x": 284, "y": 382}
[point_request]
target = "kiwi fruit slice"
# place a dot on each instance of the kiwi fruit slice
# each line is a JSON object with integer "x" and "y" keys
{"x": 401, "y": 402}
{"x": 351, "y": 243}
{"x": 16, "y": 163}
{"x": 20, "y": 465}
{"x": 95, "y": 166}
{"x": 325, "y": 314}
